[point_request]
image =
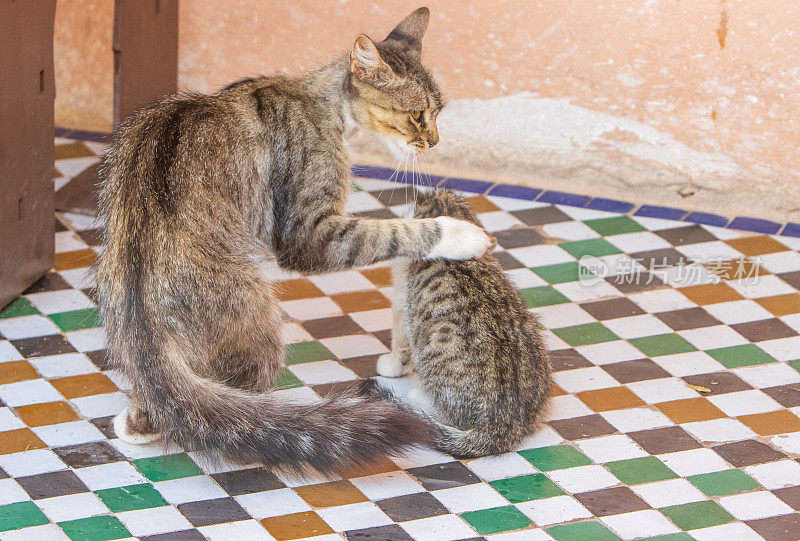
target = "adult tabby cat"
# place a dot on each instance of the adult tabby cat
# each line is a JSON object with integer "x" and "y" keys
{"x": 483, "y": 373}
{"x": 201, "y": 193}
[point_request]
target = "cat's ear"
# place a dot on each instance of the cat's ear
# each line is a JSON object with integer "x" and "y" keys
{"x": 366, "y": 63}
{"x": 408, "y": 34}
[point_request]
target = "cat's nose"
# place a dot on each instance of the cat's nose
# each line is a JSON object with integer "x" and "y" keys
{"x": 432, "y": 142}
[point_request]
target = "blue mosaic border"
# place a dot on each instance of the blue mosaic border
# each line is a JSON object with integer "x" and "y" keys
{"x": 482, "y": 187}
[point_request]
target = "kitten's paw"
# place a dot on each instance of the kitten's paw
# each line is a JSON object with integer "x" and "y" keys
{"x": 389, "y": 367}
{"x": 460, "y": 240}
{"x": 125, "y": 432}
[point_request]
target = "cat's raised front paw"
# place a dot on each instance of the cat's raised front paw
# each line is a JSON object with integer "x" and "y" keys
{"x": 389, "y": 367}
{"x": 460, "y": 240}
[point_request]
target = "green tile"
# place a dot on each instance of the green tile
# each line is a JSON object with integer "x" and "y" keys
{"x": 103, "y": 528}
{"x": 18, "y": 307}
{"x": 77, "y": 319}
{"x": 582, "y": 531}
{"x": 21, "y": 515}
{"x": 692, "y": 516}
{"x": 588, "y": 333}
{"x": 662, "y": 344}
{"x": 614, "y": 226}
{"x": 497, "y": 519}
{"x": 723, "y": 483}
{"x": 560, "y": 273}
{"x": 745, "y": 355}
{"x": 595, "y": 247}
{"x": 131, "y": 497}
{"x": 556, "y": 457}
{"x": 640, "y": 470}
{"x": 527, "y": 487}
{"x": 306, "y": 352}
{"x": 286, "y": 380}
{"x": 669, "y": 537}
{"x": 795, "y": 364}
{"x": 534, "y": 297}
{"x": 164, "y": 468}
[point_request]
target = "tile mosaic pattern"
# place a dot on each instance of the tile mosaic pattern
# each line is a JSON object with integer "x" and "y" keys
{"x": 674, "y": 415}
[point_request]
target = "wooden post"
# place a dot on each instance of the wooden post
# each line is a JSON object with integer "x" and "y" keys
{"x": 27, "y": 92}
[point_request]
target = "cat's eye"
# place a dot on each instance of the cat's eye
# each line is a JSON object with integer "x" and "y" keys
{"x": 417, "y": 115}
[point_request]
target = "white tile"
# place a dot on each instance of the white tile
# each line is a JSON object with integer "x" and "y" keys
{"x": 189, "y": 489}
{"x": 72, "y": 507}
{"x": 763, "y": 286}
{"x": 661, "y": 390}
{"x": 609, "y": 448}
{"x": 562, "y": 315}
{"x": 609, "y": 352}
{"x": 373, "y": 320}
{"x": 535, "y": 534}
{"x": 241, "y": 529}
{"x": 622, "y": 265}
{"x": 469, "y": 498}
{"x": 744, "y": 403}
{"x": 726, "y": 532}
{"x": 293, "y": 333}
{"x": 789, "y": 443}
{"x": 80, "y": 222}
{"x": 341, "y": 282}
{"x": 345, "y": 347}
{"x": 116, "y": 474}
{"x": 719, "y": 431}
{"x": 781, "y": 261}
{"x": 774, "y": 475}
{"x": 157, "y": 448}
{"x": 633, "y": 419}
{"x": 320, "y": 372}
{"x": 716, "y": 336}
{"x": 524, "y": 278}
{"x": 35, "y": 391}
{"x": 637, "y": 326}
{"x": 66, "y": 300}
{"x": 81, "y": 278}
{"x": 543, "y": 437}
{"x": 374, "y": 185}
{"x": 688, "y": 364}
{"x": 754, "y": 505}
{"x": 498, "y": 221}
{"x": 306, "y": 309}
{"x": 584, "y": 379}
{"x": 694, "y": 462}
{"x": 72, "y": 167}
{"x": 734, "y": 312}
{"x": 492, "y": 468}
{"x": 71, "y": 433}
{"x": 27, "y": 327}
{"x": 724, "y": 233}
{"x": 441, "y": 528}
{"x": 577, "y": 292}
{"x": 670, "y": 492}
{"x": 31, "y": 462}
{"x": 67, "y": 241}
{"x": 66, "y": 364}
{"x": 273, "y": 503}
{"x": 360, "y": 202}
{"x": 11, "y": 492}
{"x": 512, "y": 203}
{"x": 87, "y": 339}
{"x": 783, "y": 349}
{"x": 387, "y": 485}
{"x": 641, "y": 241}
{"x": 566, "y": 407}
{"x": 540, "y": 255}
{"x": 792, "y": 320}
{"x": 9, "y": 421}
{"x": 553, "y": 510}
{"x": 583, "y": 478}
{"x": 709, "y": 251}
{"x": 155, "y": 521}
{"x": 420, "y": 456}
{"x": 354, "y": 516}
{"x": 567, "y": 231}
{"x": 648, "y": 522}
{"x": 8, "y": 352}
{"x": 100, "y": 405}
{"x": 686, "y": 274}
{"x": 582, "y": 213}
{"x": 46, "y": 532}
{"x": 552, "y": 342}
{"x": 657, "y": 224}
{"x": 661, "y": 300}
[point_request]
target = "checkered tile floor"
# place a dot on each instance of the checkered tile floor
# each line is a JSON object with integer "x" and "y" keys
{"x": 675, "y": 414}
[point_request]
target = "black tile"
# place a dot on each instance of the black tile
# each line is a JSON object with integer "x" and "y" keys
{"x": 207, "y": 512}
{"x": 364, "y": 366}
{"x": 791, "y": 278}
{"x": 338, "y": 387}
{"x": 688, "y": 318}
{"x": 748, "y": 452}
{"x": 92, "y": 237}
{"x": 718, "y": 382}
{"x": 40, "y": 346}
{"x": 247, "y": 481}
{"x": 183, "y": 535}
{"x": 395, "y": 196}
{"x": 99, "y": 358}
{"x": 49, "y": 485}
{"x": 3, "y": 474}
{"x": 613, "y": 308}
{"x": 541, "y": 216}
{"x": 91, "y": 292}
{"x": 105, "y": 425}
{"x": 332, "y": 326}
{"x": 765, "y": 329}
{"x": 637, "y": 370}
{"x": 659, "y": 259}
{"x": 568, "y": 359}
{"x": 507, "y": 261}
{"x": 60, "y": 227}
{"x": 381, "y": 214}
{"x": 412, "y": 507}
{"x": 680, "y": 236}
{"x": 384, "y": 336}
{"x": 634, "y": 282}
{"x": 518, "y": 237}
{"x": 392, "y": 532}
{"x": 787, "y": 396}
{"x": 447, "y": 475}
{"x": 89, "y": 454}
{"x": 52, "y": 281}
{"x": 578, "y": 428}
{"x": 611, "y": 501}
{"x": 664, "y": 440}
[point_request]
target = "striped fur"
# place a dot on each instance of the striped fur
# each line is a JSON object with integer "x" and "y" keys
{"x": 201, "y": 194}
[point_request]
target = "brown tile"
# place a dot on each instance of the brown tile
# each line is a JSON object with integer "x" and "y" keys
{"x": 765, "y": 329}
{"x": 52, "y": 281}
{"x": 637, "y": 370}
{"x": 14, "y": 371}
{"x": 396, "y": 196}
{"x": 506, "y": 260}
{"x": 358, "y": 301}
{"x": 381, "y": 277}
{"x": 756, "y": 245}
{"x": 781, "y": 305}
{"x": 330, "y": 494}
{"x": 782, "y": 528}
{"x": 613, "y": 308}
{"x": 541, "y": 216}
{"x": 787, "y": 396}
{"x": 75, "y": 260}
{"x": 663, "y": 258}
{"x": 690, "y": 410}
{"x": 299, "y": 288}
{"x": 791, "y": 278}
{"x": 85, "y": 385}
{"x": 100, "y": 358}
{"x": 718, "y": 382}
{"x": 578, "y": 428}
{"x": 480, "y": 204}
{"x": 567, "y": 359}
{"x": 518, "y": 237}
{"x": 748, "y": 452}
{"x": 92, "y": 237}
{"x": 710, "y": 293}
{"x": 790, "y": 495}
{"x": 664, "y": 440}
{"x": 39, "y": 346}
{"x": 73, "y": 150}
{"x": 630, "y": 283}
{"x": 688, "y": 318}
{"x": 737, "y": 269}
{"x": 332, "y": 326}
{"x": 383, "y": 465}
{"x": 49, "y": 413}
{"x": 51, "y": 485}
{"x": 89, "y": 454}
{"x": 338, "y": 387}
{"x": 680, "y": 236}
{"x": 296, "y": 526}
{"x": 774, "y": 422}
{"x": 364, "y": 366}
{"x": 17, "y": 441}
{"x": 611, "y": 501}
{"x": 614, "y": 398}
{"x": 384, "y": 336}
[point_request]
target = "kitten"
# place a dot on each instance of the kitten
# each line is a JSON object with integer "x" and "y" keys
{"x": 202, "y": 194}
{"x": 483, "y": 372}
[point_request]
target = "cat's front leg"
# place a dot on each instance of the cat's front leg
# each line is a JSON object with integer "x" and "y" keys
{"x": 395, "y": 364}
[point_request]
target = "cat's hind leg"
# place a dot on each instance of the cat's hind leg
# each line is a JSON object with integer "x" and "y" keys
{"x": 132, "y": 425}
{"x": 397, "y": 363}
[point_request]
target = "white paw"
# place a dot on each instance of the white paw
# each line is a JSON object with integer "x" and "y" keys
{"x": 121, "y": 429}
{"x": 460, "y": 240}
{"x": 388, "y": 367}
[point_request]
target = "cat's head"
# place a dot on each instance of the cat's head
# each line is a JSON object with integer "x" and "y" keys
{"x": 437, "y": 203}
{"x": 392, "y": 95}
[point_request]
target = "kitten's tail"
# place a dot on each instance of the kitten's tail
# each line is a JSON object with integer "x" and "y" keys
{"x": 338, "y": 433}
